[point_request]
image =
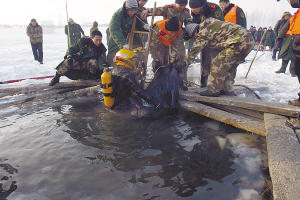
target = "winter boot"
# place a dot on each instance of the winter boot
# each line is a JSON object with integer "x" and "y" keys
{"x": 283, "y": 67}
{"x": 208, "y": 93}
{"x": 55, "y": 79}
{"x": 203, "y": 81}
{"x": 222, "y": 92}
{"x": 295, "y": 102}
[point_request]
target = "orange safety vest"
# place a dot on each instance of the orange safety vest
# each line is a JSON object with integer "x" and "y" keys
{"x": 294, "y": 24}
{"x": 165, "y": 38}
{"x": 231, "y": 15}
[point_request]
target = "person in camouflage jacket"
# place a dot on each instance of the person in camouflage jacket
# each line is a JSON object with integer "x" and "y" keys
{"x": 201, "y": 10}
{"x": 84, "y": 60}
{"x": 35, "y": 33}
{"x": 235, "y": 43}
{"x": 75, "y": 32}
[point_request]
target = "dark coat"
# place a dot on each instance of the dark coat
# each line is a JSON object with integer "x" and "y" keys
{"x": 296, "y": 46}
{"x": 258, "y": 35}
{"x": 286, "y": 52}
{"x": 278, "y": 26}
{"x": 269, "y": 38}
{"x": 75, "y": 32}
{"x": 240, "y": 15}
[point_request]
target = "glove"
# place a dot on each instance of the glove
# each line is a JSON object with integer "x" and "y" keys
{"x": 157, "y": 64}
{"x": 70, "y": 60}
{"x": 180, "y": 66}
{"x": 126, "y": 46}
{"x": 146, "y": 27}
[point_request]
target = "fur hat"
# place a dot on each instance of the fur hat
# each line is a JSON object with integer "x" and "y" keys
{"x": 285, "y": 14}
{"x": 172, "y": 24}
{"x": 185, "y": 2}
{"x": 192, "y": 28}
{"x": 196, "y": 3}
{"x": 131, "y": 4}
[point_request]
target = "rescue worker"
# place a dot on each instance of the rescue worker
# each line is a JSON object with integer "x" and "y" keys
{"x": 83, "y": 60}
{"x": 75, "y": 32}
{"x": 167, "y": 35}
{"x": 287, "y": 35}
{"x": 179, "y": 10}
{"x": 280, "y": 23}
{"x": 201, "y": 10}
{"x": 236, "y": 43}
{"x": 233, "y": 13}
{"x": 120, "y": 27}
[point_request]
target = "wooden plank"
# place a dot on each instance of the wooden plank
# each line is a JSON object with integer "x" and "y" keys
{"x": 131, "y": 36}
{"x": 254, "y": 126}
{"x": 247, "y": 103}
{"x": 239, "y": 111}
{"x": 283, "y": 158}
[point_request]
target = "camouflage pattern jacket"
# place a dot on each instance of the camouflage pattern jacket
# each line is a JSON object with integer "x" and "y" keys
{"x": 170, "y": 11}
{"x": 35, "y": 33}
{"x": 216, "y": 34}
{"x": 85, "y": 49}
{"x": 158, "y": 50}
{"x": 213, "y": 10}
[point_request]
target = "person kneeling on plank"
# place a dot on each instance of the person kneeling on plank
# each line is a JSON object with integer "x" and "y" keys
{"x": 83, "y": 60}
{"x": 235, "y": 43}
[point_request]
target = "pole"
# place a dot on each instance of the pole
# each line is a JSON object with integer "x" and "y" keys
{"x": 255, "y": 53}
{"x": 69, "y": 38}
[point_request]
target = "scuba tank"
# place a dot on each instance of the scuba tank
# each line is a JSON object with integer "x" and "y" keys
{"x": 106, "y": 81}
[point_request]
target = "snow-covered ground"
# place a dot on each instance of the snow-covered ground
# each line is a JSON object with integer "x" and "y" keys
{"x": 16, "y": 62}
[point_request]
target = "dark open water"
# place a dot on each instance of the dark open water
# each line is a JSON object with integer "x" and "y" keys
{"x": 81, "y": 150}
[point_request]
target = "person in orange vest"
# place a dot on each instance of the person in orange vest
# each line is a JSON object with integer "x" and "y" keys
{"x": 165, "y": 42}
{"x": 287, "y": 34}
{"x": 233, "y": 13}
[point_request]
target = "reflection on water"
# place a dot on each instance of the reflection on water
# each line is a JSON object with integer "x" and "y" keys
{"x": 82, "y": 150}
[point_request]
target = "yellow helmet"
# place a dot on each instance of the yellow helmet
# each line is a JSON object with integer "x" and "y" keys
{"x": 123, "y": 57}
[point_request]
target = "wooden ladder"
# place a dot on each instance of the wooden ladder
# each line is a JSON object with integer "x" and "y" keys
{"x": 133, "y": 31}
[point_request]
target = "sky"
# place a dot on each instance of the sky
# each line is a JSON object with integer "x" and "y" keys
{"x": 19, "y": 12}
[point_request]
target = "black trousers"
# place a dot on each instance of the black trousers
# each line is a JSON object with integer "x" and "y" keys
{"x": 37, "y": 50}
{"x": 297, "y": 67}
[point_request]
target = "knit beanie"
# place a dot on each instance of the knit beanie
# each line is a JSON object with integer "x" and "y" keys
{"x": 192, "y": 28}
{"x": 196, "y": 3}
{"x": 32, "y": 20}
{"x": 181, "y": 2}
{"x": 172, "y": 24}
{"x": 131, "y": 4}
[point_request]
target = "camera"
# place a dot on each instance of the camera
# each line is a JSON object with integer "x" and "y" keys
{"x": 294, "y": 3}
